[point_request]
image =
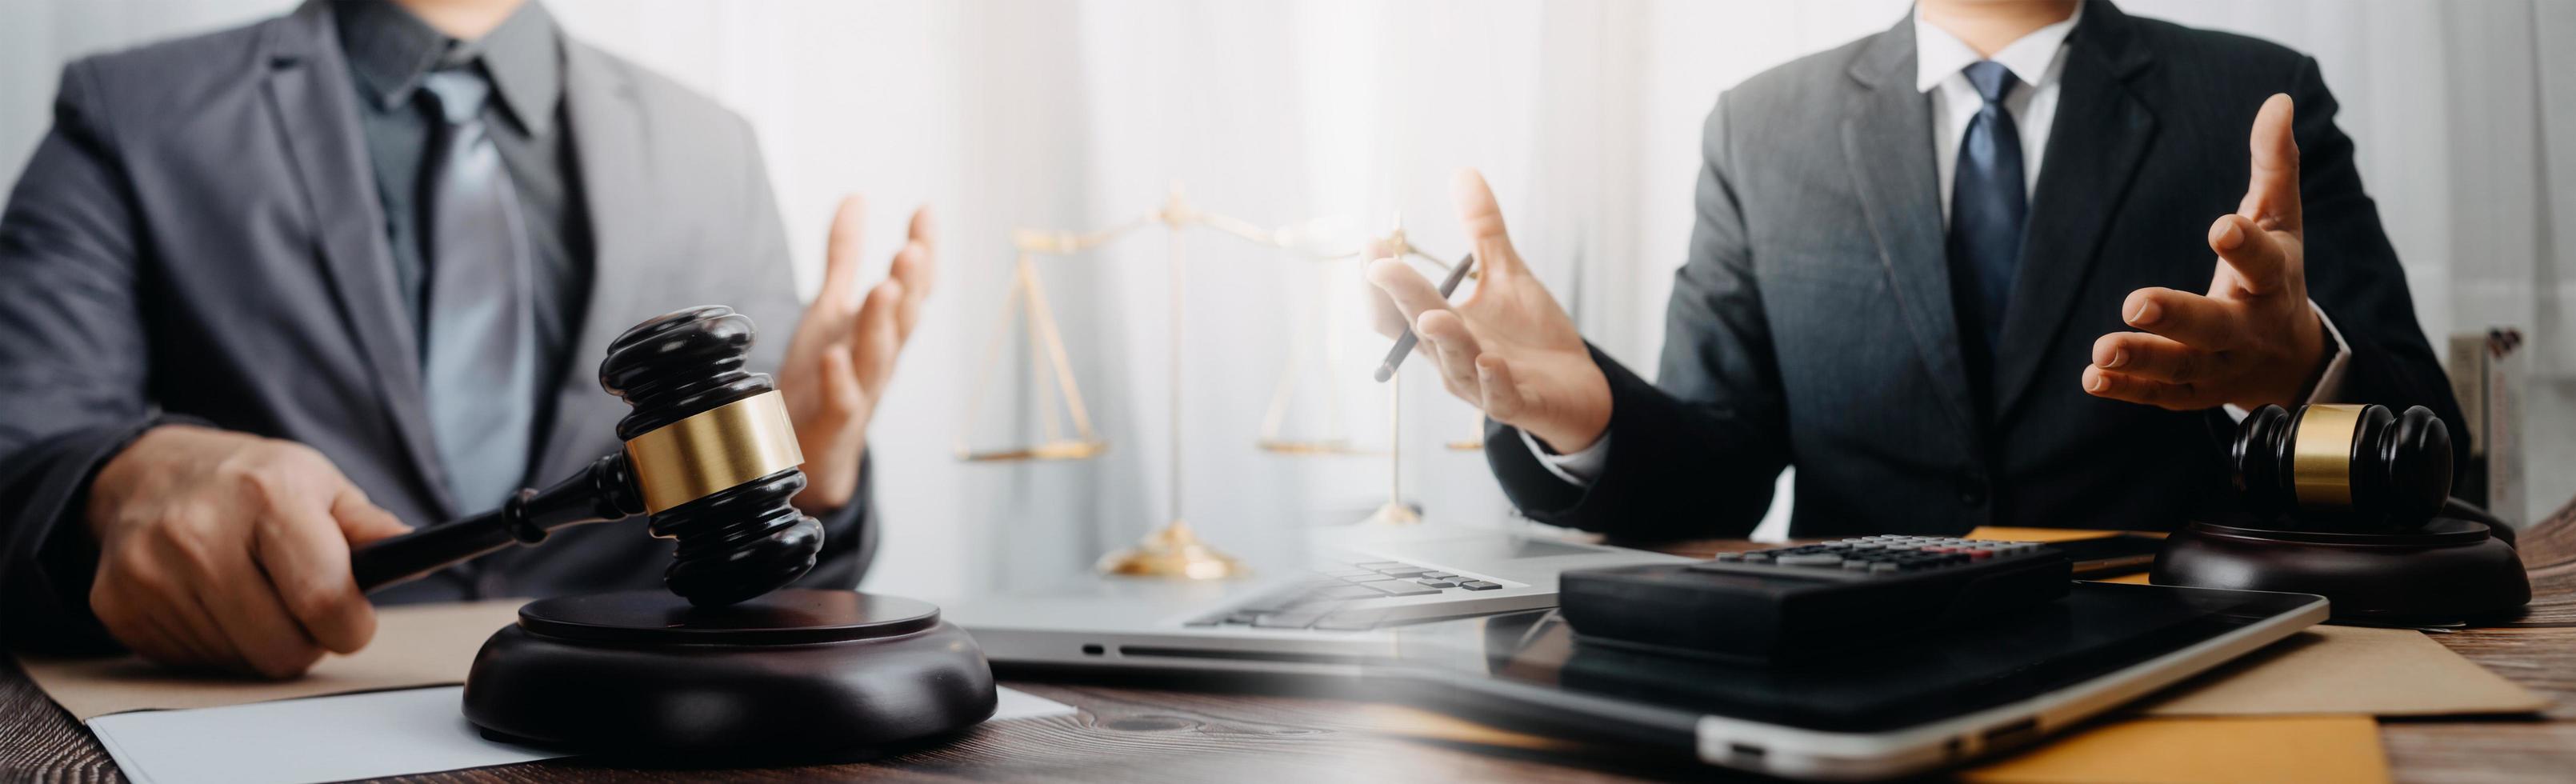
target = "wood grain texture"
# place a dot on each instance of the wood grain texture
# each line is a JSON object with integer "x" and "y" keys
{"x": 2539, "y": 652}
{"x": 1133, "y": 731}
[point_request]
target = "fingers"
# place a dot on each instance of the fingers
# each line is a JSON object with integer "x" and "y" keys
{"x": 320, "y": 596}
{"x": 841, "y": 385}
{"x": 1503, "y": 398}
{"x": 923, "y": 229}
{"x": 175, "y": 623}
{"x": 1456, "y": 350}
{"x": 914, "y": 267}
{"x": 154, "y": 592}
{"x": 305, "y": 553}
{"x": 2154, "y": 357}
{"x": 1413, "y": 293}
{"x": 158, "y": 639}
{"x": 841, "y": 253}
{"x": 213, "y": 649}
{"x": 1384, "y": 316}
{"x": 184, "y": 610}
{"x": 2191, "y": 319}
{"x": 1482, "y": 217}
{"x": 876, "y": 337}
{"x": 2261, "y": 259}
{"x": 362, "y": 522}
{"x": 252, "y": 616}
{"x": 2272, "y": 197}
{"x": 2118, "y": 386}
{"x": 144, "y": 625}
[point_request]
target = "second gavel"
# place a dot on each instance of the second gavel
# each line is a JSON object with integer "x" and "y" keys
{"x": 2359, "y": 467}
{"x": 710, "y": 455}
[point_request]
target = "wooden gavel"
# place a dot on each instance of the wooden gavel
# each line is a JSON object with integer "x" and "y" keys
{"x": 2360, "y": 467}
{"x": 710, "y": 454}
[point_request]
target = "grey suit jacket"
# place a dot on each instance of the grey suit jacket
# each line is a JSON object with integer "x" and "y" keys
{"x": 1813, "y": 322}
{"x": 198, "y": 239}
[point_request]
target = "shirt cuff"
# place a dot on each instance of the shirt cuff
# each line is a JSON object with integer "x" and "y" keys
{"x": 1580, "y": 468}
{"x": 2329, "y": 383}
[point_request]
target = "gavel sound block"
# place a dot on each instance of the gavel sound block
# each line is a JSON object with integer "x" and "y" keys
{"x": 728, "y": 664}
{"x": 2350, "y": 503}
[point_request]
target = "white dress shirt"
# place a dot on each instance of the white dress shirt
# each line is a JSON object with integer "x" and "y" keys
{"x": 1940, "y": 64}
{"x": 1941, "y": 61}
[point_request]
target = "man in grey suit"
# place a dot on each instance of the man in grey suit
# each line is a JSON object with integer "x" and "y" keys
{"x": 273, "y": 292}
{"x": 1939, "y": 269}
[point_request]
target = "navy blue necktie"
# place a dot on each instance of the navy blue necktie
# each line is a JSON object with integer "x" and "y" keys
{"x": 1987, "y": 203}
{"x": 480, "y": 366}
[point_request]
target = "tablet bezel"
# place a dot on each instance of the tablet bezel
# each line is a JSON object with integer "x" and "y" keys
{"x": 1783, "y": 750}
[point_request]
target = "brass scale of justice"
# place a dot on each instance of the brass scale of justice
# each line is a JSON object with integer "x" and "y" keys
{"x": 1174, "y": 550}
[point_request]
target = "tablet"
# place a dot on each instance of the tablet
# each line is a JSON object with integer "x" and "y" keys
{"x": 1908, "y": 707}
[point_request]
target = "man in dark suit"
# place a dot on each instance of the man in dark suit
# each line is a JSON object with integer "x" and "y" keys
{"x": 272, "y": 292}
{"x": 1938, "y": 269}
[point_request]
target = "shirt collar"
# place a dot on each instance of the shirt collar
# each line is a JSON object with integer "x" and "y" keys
{"x": 1938, "y": 54}
{"x": 390, "y": 50}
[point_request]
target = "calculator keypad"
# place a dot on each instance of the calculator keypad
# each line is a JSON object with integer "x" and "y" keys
{"x": 1887, "y": 554}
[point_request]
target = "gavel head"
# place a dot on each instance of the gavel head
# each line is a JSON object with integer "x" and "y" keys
{"x": 2354, "y": 468}
{"x": 713, "y": 455}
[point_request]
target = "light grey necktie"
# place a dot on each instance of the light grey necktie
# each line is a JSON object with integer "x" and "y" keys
{"x": 480, "y": 366}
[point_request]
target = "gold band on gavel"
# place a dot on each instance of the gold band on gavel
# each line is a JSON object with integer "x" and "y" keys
{"x": 712, "y": 450}
{"x": 2321, "y": 457}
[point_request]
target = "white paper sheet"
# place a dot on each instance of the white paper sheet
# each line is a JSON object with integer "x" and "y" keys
{"x": 349, "y": 736}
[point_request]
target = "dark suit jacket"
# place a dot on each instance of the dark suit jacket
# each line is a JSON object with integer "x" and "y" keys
{"x": 198, "y": 239}
{"x": 1813, "y": 324}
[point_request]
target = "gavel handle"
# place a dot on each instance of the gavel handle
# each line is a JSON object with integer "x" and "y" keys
{"x": 401, "y": 558}
{"x": 603, "y": 492}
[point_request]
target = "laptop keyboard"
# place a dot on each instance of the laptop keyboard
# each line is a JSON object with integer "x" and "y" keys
{"x": 1338, "y": 597}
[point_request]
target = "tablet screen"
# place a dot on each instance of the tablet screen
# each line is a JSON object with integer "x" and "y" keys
{"x": 2096, "y": 630}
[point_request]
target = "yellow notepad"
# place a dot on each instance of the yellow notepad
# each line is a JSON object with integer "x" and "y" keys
{"x": 2269, "y": 750}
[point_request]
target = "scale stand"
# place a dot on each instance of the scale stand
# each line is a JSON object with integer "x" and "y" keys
{"x": 1173, "y": 550}
{"x": 1048, "y": 362}
{"x": 1307, "y": 339}
{"x": 1395, "y": 512}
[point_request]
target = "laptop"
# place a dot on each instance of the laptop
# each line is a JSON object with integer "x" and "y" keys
{"x": 1329, "y": 616}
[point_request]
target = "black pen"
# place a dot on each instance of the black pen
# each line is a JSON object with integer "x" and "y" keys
{"x": 1404, "y": 343}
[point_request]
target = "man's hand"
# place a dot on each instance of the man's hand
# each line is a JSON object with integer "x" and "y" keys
{"x": 228, "y": 551}
{"x": 2254, "y": 339}
{"x": 1509, "y": 349}
{"x": 844, "y": 350}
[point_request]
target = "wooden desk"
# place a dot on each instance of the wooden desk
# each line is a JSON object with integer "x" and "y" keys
{"x": 1140, "y": 731}
{"x": 2538, "y": 652}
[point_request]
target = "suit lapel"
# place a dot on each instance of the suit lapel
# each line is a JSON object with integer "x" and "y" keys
{"x": 1887, "y": 137}
{"x": 308, "y": 88}
{"x": 610, "y": 146}
{"x": 2101, "y": 132}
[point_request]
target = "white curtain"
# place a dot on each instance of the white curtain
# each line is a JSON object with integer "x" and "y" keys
{"x": 1584, "y": 115}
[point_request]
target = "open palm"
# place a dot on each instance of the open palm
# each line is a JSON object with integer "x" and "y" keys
{"x": 2253, "y": 338}
{"x": 1509, "y": 349}
{"x": 842, "y": 355}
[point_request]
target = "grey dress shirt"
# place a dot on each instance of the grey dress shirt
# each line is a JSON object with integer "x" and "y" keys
{"x": 389, "y": 51}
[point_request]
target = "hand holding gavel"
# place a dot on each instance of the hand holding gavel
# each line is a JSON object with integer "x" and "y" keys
{"x": 228, "y": 551}
{"x": 710, "y": 453}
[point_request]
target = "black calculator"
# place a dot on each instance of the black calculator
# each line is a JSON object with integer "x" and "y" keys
{"x": 1810, "y": 599}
